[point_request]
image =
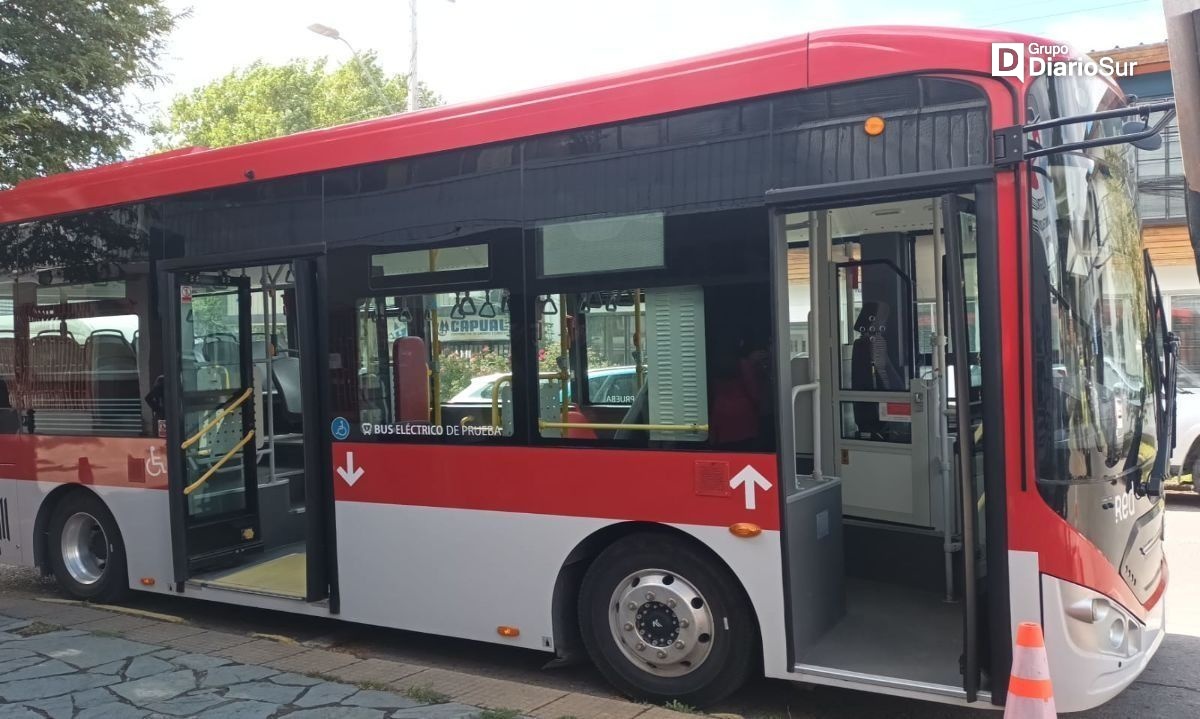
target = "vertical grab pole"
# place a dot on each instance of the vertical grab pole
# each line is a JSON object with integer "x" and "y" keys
{"x": 270, "y": 319}
{"x": 945, "y": 469}
{"x": 435, "y": 352}
{"x": 639, "y": 369}
{"x": 564, "y": 341}
{"x": 960, "y": 346}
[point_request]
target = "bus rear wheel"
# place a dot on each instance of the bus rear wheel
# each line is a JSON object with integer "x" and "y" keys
{"x": 664, "y": 622}
{"x": 85, "y": 549}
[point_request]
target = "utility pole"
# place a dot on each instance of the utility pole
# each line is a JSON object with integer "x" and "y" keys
{"x": 413, "y": 105}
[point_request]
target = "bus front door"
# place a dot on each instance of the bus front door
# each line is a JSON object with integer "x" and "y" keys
{"x": 879, "y": 303}
{"x": 210, "y": 411}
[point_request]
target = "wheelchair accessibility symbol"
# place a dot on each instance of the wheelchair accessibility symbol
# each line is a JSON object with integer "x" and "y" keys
{"x": 155, "y": 466}
{"x": 340, "y": 428}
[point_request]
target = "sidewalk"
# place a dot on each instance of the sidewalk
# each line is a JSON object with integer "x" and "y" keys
{"x": 67, "y": 660}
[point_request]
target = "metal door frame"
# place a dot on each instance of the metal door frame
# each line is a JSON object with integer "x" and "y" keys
{"x": 982, "y": 182}
{"x": 173, "y": 394}
{"x": 311, "y": 290}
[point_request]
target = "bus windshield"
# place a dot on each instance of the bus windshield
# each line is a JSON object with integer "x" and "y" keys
{"x": 1094, "y": 387}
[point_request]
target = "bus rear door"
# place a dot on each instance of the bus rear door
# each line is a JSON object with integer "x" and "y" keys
{"x": 210, "y": 410}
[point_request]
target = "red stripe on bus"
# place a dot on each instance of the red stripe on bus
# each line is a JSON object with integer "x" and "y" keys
{"x": 139, "y": 462}
{"x": 641, "y": 485}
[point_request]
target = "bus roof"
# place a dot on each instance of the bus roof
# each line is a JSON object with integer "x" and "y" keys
{"x": 794, "y": 63}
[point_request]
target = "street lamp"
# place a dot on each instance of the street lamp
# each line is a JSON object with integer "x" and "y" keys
{"x": 332, "y": 33}
{"x": 412, "y": 60}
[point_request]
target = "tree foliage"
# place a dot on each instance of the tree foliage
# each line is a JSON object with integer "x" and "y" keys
{"x": 65, "y": 66}
{"x": 263, "y": 101}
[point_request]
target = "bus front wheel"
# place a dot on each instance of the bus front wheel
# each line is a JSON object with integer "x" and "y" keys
{"x": 85, "y": 549}
{"x": 664, "y": 622}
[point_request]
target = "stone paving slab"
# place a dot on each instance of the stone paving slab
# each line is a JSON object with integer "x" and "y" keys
{"x": 161, "y": 632}
{"x": 582, "y": 705}
{"x": 115, "y": 624}
{"x": 313, "y": 661}
{"x": 76, "y": 661}
{"x": 380, "y": 671}
{"x": 260, "y": 651}
{"x": 210, "y": 641}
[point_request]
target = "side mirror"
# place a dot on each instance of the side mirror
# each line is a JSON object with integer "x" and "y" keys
{"x": 1133, "y": 127}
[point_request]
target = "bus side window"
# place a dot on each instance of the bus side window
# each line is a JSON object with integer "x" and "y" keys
{"x": 435, "y": 366}
{"x": 643, "y": 354}
{"x": 67, "y": 361}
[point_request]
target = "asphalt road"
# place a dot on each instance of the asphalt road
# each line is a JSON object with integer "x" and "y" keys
{"x": 1168, "y": 689}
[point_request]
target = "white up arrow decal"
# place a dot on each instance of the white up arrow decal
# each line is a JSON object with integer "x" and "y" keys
{"x": 749, "y": 478}
{"x": 352, "y": 474}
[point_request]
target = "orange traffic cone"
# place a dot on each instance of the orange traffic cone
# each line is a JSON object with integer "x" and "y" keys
{"x": 1030, "y": 695}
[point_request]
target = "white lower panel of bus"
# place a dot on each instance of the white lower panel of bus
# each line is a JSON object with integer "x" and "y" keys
{"x": 463, "y": 572}
{"x": 141, "y": 514}
{"x": 1089, "y": 662}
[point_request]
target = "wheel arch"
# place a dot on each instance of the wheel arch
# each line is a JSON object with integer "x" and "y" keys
{"x": 41, "y": 523}
{"x": 567, "y": 641}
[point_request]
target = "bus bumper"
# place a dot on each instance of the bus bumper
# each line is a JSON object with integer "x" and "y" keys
{"x": 1096, "y": 648}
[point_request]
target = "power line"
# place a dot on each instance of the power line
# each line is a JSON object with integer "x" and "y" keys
{"x": 1062, "y": 14}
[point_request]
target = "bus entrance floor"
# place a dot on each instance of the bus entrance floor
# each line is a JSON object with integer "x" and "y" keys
{"x": 279, "y": 573}
{"x": 893, "y": 631}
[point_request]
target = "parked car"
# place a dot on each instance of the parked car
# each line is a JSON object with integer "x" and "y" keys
{"x": 606, "y": 385}
{"x": 1186, "y": 457}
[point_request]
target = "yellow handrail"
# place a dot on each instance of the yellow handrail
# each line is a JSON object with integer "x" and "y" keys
{"x": 220, "y": 463}
{"x": 564, "y": 340}
{"x": 542, "y": 424}
{"x": 504, "y": 379}
{"x": 217, "y": 420}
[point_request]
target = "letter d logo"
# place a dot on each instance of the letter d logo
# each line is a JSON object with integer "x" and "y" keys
{"x": 1008, "y": 60}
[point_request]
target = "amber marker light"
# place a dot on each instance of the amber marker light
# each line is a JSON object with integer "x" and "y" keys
{"x": 745, "y": 529}
{"x": 509, "y": 632}
{"x": 147, "y": 581}
{"x": 873, "y": 125}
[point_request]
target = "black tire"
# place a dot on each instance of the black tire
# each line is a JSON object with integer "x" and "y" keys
{"x": 733, "y": 651}
{"x": 105, "y": 545}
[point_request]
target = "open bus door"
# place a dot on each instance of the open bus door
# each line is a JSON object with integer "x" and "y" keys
{"x": 959, "y": 233}
{"x": 885, "y": 422}
{"x": 210, "y": 416}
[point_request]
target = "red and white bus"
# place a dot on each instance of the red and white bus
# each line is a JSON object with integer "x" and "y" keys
{"x": 710, "y": 315}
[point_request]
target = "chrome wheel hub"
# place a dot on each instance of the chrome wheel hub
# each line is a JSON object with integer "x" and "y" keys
{"x": 84, "y": 548}
{"x": 661, "y": 622}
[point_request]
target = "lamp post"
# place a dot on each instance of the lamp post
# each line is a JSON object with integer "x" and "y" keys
{"x": 412, "y": 59}
{"x": 332, "y": 33}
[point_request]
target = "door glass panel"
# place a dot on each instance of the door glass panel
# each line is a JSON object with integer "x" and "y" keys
{"x": 876, "y": 342}
{"x": 212, "y": 381}
{"x": 210, "y": 328}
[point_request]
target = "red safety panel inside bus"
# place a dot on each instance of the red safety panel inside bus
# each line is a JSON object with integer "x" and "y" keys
{"x": 411, "y": 374}
{"x": 574, "y": 416}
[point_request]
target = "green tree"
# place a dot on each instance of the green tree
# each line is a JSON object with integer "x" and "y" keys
{"x": 65, "y": 66}
{"x": 263, "y": 101}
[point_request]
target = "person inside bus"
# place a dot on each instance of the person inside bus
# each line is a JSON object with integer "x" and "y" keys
{"x": 739, "y": 408}
{"x": 9, "y": 420}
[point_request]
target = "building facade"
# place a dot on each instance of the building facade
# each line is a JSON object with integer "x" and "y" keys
{"x": 1161, "y": 205}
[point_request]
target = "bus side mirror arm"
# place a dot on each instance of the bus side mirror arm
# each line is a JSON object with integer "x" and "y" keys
{"x": 1166, "y": 425}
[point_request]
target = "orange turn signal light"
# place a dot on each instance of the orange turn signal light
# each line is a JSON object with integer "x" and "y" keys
{"x": 509, "y": 632}
{"x": 147, "y": 581}
{"x": 745, "y": 529}
{"x": 873, "y": 125}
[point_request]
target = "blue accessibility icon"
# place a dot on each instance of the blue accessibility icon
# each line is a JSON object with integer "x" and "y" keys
{"x": 340, "y": 428}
